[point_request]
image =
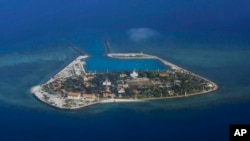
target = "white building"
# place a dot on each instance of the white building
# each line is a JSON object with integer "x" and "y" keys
{"x": 106, "y": 83}
{"x": 121, "y": 90}
{"x": 134, "y": 74}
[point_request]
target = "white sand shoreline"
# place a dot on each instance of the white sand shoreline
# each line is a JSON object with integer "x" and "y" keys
{"x": 37, "y": 93}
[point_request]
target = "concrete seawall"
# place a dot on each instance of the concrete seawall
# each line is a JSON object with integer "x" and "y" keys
{"x": 142, "y": 56}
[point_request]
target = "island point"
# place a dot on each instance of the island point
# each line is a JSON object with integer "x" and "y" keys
{"x": 74, "y": 87}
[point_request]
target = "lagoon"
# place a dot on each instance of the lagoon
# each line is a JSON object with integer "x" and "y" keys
{"x": 103, "y": 64}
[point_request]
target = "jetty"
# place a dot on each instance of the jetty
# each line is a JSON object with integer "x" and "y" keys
{"x": 75, "y": 48}
{"x": 107, "y": 45}
{"x": 142, "y": 56}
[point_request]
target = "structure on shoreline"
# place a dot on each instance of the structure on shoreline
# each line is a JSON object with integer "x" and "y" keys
{"x": 74, "y": 88}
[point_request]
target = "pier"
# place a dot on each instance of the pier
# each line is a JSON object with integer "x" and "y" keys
{"x": 75, "y": 48}
{"x": 107, "y": 45}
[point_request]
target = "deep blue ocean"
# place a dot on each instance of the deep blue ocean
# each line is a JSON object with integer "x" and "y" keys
{"x": 210, "y": 38}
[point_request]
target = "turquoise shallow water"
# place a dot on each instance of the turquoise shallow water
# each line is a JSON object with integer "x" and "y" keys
{"x": 102, "y": 64}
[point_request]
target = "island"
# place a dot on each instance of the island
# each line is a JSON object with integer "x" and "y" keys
{"x": 74, "y": 87}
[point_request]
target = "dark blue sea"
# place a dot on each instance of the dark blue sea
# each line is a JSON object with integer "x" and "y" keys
{"x": 210, "y": 38}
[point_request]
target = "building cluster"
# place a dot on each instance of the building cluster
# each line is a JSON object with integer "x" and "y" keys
{"x": 127, "y": 83}
{"x": 106, "y": 92}
{"x": 110, "y": 90}
{"x": 78, "y": 95}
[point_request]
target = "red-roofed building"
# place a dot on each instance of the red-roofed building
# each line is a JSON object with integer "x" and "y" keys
{"x": 74, "y": 95}
{"x": 89, "y": 96}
